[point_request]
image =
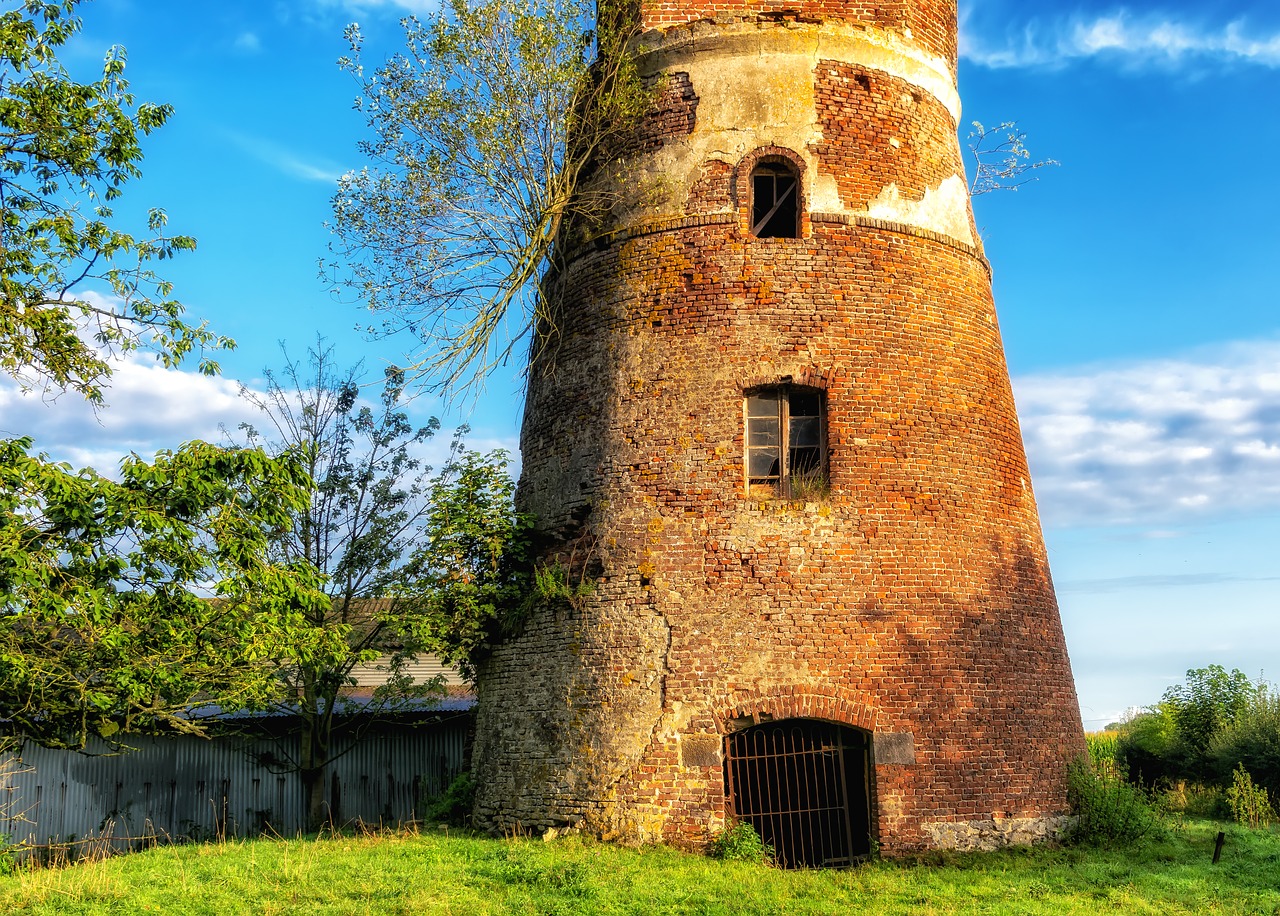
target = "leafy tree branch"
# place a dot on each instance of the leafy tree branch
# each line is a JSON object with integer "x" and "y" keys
{"x": 67, "y": 150}
{"x": 487, "y": 130}
{"x": 107, "y": 626}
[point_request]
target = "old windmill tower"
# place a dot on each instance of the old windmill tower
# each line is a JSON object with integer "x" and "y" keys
{"x": 779, "y": 433}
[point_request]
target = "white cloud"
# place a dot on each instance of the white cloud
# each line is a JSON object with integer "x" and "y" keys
{"x": 1163, "y": 440}
{"x": 1161, "y": 39}
{"x": 150, "y": 408}
{"x": 284, "y": 159}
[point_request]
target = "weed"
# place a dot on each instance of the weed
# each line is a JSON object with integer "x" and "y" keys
{"x": 1109, "y": 811}
{"x": 810, "y": 486}
{"x": 1249, "y": 803}
{"x": 1195, "y": 799}
{"x": 515, "y": 866}
{"x": 740, "y": 843}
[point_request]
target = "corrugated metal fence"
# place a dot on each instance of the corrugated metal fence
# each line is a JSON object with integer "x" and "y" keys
{"x": 193, "y": 788}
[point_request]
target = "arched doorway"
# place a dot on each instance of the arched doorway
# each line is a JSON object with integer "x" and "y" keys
{"x": 805, "y": 786}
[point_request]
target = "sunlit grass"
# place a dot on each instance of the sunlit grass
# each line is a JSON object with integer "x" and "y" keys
{"x": 473, "y": 876}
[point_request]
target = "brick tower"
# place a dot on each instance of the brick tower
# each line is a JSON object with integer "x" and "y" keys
{"x": 778, "y": 437}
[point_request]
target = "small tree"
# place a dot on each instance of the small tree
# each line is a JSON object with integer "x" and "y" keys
{"x": 364, "y": 516}
{"x": 486, "y": 132}
{"x": 67, "y": 150}
{"x": 106, "y": 627}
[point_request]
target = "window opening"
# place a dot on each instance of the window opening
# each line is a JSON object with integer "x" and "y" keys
{"x": 775, "y": 209}
{"x": 786, "y": 440}
{"x": 805, "y": 786}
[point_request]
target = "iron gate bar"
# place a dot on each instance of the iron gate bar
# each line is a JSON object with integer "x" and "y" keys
{"x": 791, "y": 781}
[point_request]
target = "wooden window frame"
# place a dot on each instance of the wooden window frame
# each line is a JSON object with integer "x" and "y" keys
{"x": 756, "y": 422}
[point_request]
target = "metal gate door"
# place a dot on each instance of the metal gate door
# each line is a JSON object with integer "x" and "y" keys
{"x": 805, "y": 787}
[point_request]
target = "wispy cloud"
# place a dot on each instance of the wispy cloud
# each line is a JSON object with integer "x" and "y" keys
{"x": 1149, "y": 39}
{"x": 248, "y": 43}
{"x": 1124, "y": 583}
{"x": 1158, "y": 441}
{"x": 284, "y": 159}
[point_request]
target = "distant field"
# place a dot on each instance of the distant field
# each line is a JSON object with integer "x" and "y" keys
{"x": 472, "y": 876}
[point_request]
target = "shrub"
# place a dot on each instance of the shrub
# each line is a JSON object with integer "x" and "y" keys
{"x": 740, "y": 843}
{"x": 1195, "y": 799}
{"x": 1251, "y": 740}
{"x": 453, "y": 806}
{"x": 1249, "y": 803}
{"x": 1109, "y": 811}
{"x": 1148, "y": 749}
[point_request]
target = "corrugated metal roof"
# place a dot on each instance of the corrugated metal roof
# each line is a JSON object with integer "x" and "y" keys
{"x": 354, "y": 705}
{"x": 422, "y": 669}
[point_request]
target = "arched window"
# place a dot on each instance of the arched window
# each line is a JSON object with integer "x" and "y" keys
{"x": 775, "y": 201}
{"x": 787, "y": 440}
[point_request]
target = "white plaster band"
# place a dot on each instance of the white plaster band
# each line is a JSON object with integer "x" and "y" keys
{"x": 704, "y": 43}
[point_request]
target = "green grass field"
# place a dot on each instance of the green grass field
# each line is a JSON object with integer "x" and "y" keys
{"x": 472, "y": 876}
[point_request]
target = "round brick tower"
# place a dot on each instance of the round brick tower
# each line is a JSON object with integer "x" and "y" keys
{"x": 777, "y": 440}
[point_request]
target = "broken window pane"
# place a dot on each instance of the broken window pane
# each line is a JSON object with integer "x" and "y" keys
{"x": 763, "y": 431}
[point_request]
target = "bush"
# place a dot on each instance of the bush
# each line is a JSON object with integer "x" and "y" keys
{"x": 740, "y": 843}
{"x": 1148, "y": 749}
{"x": 1109, "y": 811}
{"x": 1251, "y": 740}
{"x": 1195, "y": 799}
{"x": 1249, "y": 803}
{"x": 454, "y": 805}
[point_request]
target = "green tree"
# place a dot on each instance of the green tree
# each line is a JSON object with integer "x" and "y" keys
{"x": 67, "y": 149}
{"x": 1252, "y": 740}
{"x": 364, "y": 517}
{"x": 106, "y": 627}
{"x": 486, "y": 133}
{"x": 1176, "y": 738}
{"x": 106, "y": 622}
{"x": 1210, "y": 700}
{"x": 472, "y": 581}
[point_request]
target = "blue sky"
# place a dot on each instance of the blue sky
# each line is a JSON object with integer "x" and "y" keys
{"x": 1136, "y": 285}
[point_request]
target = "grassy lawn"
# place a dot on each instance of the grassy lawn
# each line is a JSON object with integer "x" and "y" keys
{"x": 472, "y": 876}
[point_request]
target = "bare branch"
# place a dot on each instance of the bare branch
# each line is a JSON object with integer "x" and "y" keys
{"x": 1002, "y": 161}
